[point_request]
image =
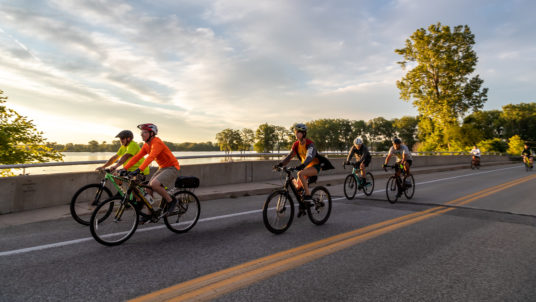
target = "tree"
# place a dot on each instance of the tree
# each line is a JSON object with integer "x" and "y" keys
{"x": 265, "y": 138}
{"x": 20, "y": 141}
{"x": 380, "y": 132}
{"x": 515, "y": 145}
{"x": 228, "y": 140}
{"x": 520, "y": 119}
{"x": 440, "y": 83}
{"x": 282, "y": 134}
{"x": 247, "y": 139}
{"x": 406, "y": 129}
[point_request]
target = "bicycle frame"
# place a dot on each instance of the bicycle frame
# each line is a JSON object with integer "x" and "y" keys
{"x": 289, "y": 183}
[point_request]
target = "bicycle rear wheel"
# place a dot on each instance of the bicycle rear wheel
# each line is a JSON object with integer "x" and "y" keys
{"x": 350, "y": 187}
{"x": 278, "y": 212}
{"x": 368, "y": 187}
{"x": 409, "y": 184}
{"x": 391, "y": 189}
{"x": 186, "y": 214}
{"x": 86, "y": 199}
{"x": 320, "y": 211}
{"x": 117, "y": 227}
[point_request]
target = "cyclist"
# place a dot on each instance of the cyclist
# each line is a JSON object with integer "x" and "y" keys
{"x": 527, "y": 155}
{"x": 362, "y": 156}
{"x": 128, "y": 149}
{"x": 311, "y": 161}
{"x": 403, "y": 155}
{"x": 168, "y": 165}
{"x": 476, "y": 155}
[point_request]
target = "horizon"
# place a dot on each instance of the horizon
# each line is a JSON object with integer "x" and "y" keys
{"x": 84, "y": 71}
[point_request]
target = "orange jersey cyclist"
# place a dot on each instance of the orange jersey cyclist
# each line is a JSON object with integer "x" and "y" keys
{"x": 168, "y": 165}
{"x": 306, "y": 152}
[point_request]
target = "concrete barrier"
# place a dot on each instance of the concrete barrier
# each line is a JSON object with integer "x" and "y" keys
{"x": 30, "y": 192}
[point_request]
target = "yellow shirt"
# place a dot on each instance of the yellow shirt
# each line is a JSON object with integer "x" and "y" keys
{"x": 302, "y": 152}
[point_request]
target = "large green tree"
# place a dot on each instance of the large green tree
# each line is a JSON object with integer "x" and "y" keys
{"x": 20, "y": 141}
{"x": 265, "y": 138}
{"x": 229, "y": 140}
{"x": 440, "y": 82}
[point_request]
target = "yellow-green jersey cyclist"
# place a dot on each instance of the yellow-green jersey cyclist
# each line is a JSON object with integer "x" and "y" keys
{"x": 128, "y": 149}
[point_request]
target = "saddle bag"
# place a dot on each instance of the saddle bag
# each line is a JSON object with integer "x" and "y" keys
{"x": 187, "y": 182}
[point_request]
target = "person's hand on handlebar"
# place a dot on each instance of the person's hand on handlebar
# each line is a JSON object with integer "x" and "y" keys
{"x": 134, "y": 173}
{"x": 99, "y": 169}
{"x": 123, "y": 172}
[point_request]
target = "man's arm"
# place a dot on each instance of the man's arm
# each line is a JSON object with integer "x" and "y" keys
{"x": 109, "y": 162}
{"x": 122, "y": 160}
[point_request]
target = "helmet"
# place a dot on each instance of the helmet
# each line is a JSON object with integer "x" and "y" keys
{"x": 358, "y": 141}
{"x": 149, "y": 127}
{"x": 397, "y": 141}
{"x": 125, "y": 134}
{"x": 300, "y": 127}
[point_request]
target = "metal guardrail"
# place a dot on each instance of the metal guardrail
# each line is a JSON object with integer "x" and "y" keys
{"x": 374, "y": 153}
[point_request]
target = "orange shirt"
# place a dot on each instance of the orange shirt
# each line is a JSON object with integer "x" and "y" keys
{"x": 156, "y": 150}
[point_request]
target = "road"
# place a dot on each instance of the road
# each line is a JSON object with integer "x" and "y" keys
{"x": 465, "y": 236}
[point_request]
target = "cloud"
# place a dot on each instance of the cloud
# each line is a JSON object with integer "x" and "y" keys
{"x": 208, "y": 65}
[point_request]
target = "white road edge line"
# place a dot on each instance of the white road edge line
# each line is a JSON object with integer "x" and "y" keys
{"x": 75, "y": 241}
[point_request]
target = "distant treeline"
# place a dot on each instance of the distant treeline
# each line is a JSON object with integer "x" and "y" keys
{"x": 94, "y": 146}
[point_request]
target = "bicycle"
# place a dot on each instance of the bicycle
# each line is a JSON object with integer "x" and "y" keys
{"x": 354, "y": 182}
{"x": 475, "y": 163}
{"x": 275, "y": 217}
{"x": 396, "y": 185}
{"x": 85, "y": 200}
{"x": 526, "y": 163}
{"x": 115, "y": 229}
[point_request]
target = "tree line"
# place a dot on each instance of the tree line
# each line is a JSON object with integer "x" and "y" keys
{"x": 490, "y": 130}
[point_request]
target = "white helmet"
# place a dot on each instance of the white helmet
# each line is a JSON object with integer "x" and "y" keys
{"x": 358, "y": 141}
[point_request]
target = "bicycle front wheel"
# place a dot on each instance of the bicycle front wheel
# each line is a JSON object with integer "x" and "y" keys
{"x": 186, "y": 214}
{"x": 368, "y": 187}
{"x": 117, "y": 227}
{"x": 86, "y": 199}
{"x": 320, "y": 211}
{"x": 278, "y": 212}
{"x": 391, "y": 189}
{"x": 409, "y": 184}
{"x": 350, "y": 187}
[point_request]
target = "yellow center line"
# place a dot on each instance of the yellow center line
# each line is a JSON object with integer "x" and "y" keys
{"x": 227, "y": 280}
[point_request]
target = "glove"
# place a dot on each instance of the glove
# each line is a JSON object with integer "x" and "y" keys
{"x": 300, "y": 167}
{"x": 279, "y": 165}
{"x": 384, "y": 165}
{"x": 134, "y": 173}
{"x": 123, "y": 172}
{"x": 346, "y": 162}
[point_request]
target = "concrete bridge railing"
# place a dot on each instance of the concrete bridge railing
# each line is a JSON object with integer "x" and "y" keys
{"x": 28, "y": 192}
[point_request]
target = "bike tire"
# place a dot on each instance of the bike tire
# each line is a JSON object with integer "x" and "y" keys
{"x": 350, "y": 187}
{"x": 320, "y": 211}
{"x": 186, "y": 213}
{"x": 278, "y": 212}
{"x": 409, "y": 191}
{"x": 368, "y": 188}
{"x": 118, "y": 227}
{"x": 85, "y": 200}
{"x": 391, "y": 189}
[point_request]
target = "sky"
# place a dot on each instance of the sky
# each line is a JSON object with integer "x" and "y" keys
{"x": 85, "y": 70}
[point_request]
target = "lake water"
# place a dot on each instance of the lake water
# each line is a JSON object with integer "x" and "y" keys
{"x": 93, "y": 156}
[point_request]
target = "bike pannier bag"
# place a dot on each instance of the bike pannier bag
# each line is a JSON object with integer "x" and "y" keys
{"x": 187, "y": 182}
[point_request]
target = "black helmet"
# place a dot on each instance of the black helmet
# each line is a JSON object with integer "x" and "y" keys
{"x": 125, "y": 134}
{"x": 397, "y": 141}
{"x": 300, "y": 127}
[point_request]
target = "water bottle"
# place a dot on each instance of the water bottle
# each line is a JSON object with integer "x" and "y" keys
{"x": 148, "y": 197}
